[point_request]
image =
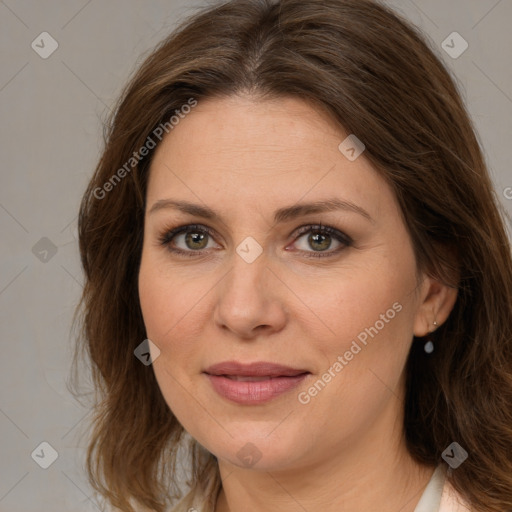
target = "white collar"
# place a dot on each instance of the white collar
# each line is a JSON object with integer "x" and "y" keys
{"x": 431, "y": 497}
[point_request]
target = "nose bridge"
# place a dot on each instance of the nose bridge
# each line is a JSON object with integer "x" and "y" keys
{"x": 249, "y": 264}
{"x": 246, "y": 299}
{"x": 245, "y": 282}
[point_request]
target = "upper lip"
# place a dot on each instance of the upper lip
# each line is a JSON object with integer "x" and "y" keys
{"x": 256, "y": 369}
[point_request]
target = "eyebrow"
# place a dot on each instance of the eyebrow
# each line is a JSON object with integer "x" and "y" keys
{"x": 282, "y": 215}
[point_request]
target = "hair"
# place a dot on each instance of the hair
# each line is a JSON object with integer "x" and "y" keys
{"x": 379, "y": 77}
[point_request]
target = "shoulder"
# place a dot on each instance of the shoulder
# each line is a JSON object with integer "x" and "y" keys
{"x": 452, "y": 501}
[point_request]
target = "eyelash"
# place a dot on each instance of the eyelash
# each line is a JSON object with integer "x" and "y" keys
{"x": 166, "y": 238}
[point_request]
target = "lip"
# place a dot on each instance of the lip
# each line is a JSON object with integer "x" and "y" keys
{"x": 255, "y": 369}
{"x": 253, "y": 383}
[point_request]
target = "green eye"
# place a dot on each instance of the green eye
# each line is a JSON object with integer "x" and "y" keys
{"x": 195, "y": 239}
{"x": 320, "y": 238}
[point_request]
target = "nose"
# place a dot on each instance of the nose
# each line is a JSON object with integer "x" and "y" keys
{"x": 250, "y": 300}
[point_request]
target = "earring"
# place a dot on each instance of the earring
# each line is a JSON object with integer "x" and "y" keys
{"x": 429, "y": 345}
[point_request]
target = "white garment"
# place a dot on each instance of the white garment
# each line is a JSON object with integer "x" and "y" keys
{"x": 430, "y": 500}
{"x": 440, "y": 496}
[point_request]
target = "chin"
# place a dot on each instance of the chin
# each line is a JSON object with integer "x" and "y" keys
{"x": 258, "y": 450}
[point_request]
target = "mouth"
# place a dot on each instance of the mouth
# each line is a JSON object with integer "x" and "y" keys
{"x": 253, "y": 383}
{"x": 255, "y": 369}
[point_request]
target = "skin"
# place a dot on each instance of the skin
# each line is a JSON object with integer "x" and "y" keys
{"x": 344, "y": 450}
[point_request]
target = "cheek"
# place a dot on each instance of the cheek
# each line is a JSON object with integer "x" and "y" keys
{"x": 172, "y": 306}
{"x": 370, "y": 319}
{"x": 168, "y": 300}
{"x": 167, "y": 306}
{"x": 363, "y": 364}
{"x": 369, "y": 305}
{"x": 154, "y": 300}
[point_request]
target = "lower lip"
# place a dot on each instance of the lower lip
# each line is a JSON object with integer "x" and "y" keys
{"x": 250, "y": 393}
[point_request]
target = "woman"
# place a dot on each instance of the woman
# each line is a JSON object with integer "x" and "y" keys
{"x": 292, "y": 221}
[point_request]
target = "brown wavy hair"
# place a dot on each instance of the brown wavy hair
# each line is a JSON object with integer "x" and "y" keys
{"x": 379, "y": 77}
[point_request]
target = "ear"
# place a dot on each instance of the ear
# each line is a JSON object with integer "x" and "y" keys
{"x": 436, "y": 303}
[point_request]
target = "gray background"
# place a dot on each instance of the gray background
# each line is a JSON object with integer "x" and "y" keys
{"x": 51, "y": 112}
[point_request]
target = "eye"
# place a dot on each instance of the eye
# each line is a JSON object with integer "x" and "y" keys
{"x": 194, "y": 239}
{"x": 320, "y": 239}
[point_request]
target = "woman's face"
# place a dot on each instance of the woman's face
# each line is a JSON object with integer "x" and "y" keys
{"x": 265, "y": 286}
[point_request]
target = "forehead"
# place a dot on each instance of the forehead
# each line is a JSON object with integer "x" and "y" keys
{"x": 257, "y": 152}
{"x": 244, "y": 124}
